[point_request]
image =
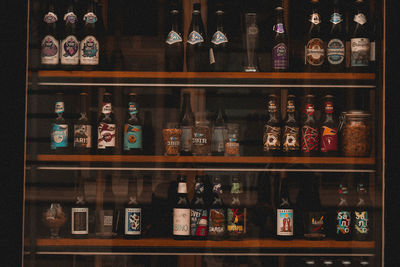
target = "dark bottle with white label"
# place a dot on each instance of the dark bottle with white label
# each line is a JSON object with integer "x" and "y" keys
{"x": 106, "y": 127}
{"x": 236, "y": 212}
{"x": 132, "y": 213}
{"x": 362, "y": 215}
{"x": 197, "y": 54}
{"x": 219, "y": 44}
{"x": 198, "y": 211}
{"x": 79, "y": 212}
{"x": 272, "y": 127}
{"x": 186, "y": 124}
{"x": 89, "y": 52}
{"x": 329, "y": 129}
{"x": 217, "y": 212}
{"x": 59, "y": 127}
{"x": 105, "y": 217}
{"x": 343, "y": 214}
{"x": 280, "y": 47}
{"x": 174, "y": 52}
{"x": 69, "y": 46}
{"x": 133, "y": 128}
{"x": 290, "y": 128}
{"x": 335, "y": 43}
{"x": 181, "y": 211}
{"x": 314, "y": 50}
{"x": 309, "y": 130}
{"x": 83, "y": 128}
{"x": 50, "y": 45}
{"x": 218, "y": 135}
{"x": 359, "y": 37}
{"x": 284, "y": 212}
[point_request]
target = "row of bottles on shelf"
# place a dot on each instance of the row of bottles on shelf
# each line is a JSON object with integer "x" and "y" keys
{"x": 213, "y": 215}
{"x": 291, "y": 136}
{"x": 326, "y": 48}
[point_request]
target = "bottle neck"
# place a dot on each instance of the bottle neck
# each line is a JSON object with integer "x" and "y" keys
{"x": 220, "y": 21}
{"x": 174, "y": 20}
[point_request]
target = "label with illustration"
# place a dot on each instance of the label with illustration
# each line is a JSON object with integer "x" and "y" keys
{"x": 90, "y": 17}
{"x": 315, "y": 18}
{"x": 50, "y": 17}
{"x": 80, "y": 221}
{"x": 280, "y": 55}
{"x": 236, "y": 220}
{"x": 89, "y": 51}
{"x": 82, "y": 136}
{"x": 216, "y": 226}
{"x": 279, "y": 28}
{"x": 272, "y": 138}
{"x": 343, "y": 223}
{"x": 284, "y": 225}
{"x": 290, "y": 139}
{"x": 173, "y": 37}
{"x": 315, "y": 224}
{"x": 360, "y": 52}
{"x": 106, "y": 135}
{"x": 132, "y": 136}
{"x": 194, "y": 38}
{"x": 69, "y": 51}
{"x": 335, "y": 51}
{"x": 133, "y": 221}
{"x": 329, "y": 140}
{"x": 360, "y": 18}
{"x": 336, "y": 18}
{"x": 181, "y": 222}
{"x": 59, "y": 136}
{"x": 361, "y": 222}
{"x": 49, "y": 50}
{"x": 315, "y": 52}
{"x": 198, "y": 222}
{"x": 309, "y": 139}
{"x": 219, "y": 38}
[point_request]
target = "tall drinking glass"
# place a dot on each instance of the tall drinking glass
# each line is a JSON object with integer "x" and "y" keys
{"x": 251, "y": 41}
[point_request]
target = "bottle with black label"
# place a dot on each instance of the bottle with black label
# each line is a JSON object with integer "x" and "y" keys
{"x": 218, "y": 135}
{"x": 186, "y": 124}
{"x": 272, "y": 127}
{"x": 105, "y": 217}
{"x": 197, "y": 54}
{"x": 343, "y": 214}
{"x": 280, "y": 48}
{"x": 198, "y": 211}
{"x": 335, "y": 43}
{"x": 314, "y": 50}
{"x": 219, "y": 44}
{"x": 329, "y": 129}
{"x": 290, "y": 128}
{"x": 284, "y": 212}
{"x": 79, "y": 212}
{"x": 133, "y": 128}
{"x": 89, "y": 52}
{"x": 106, "y": 128}
{"x": 59, "y": 127}
{"x": 236, "y": 212}
{"x": 309, "y": 130}
{"x": 174, "y": 41}
{"x": 69, "y": 46}
{"x": 50, "y": 45}
{"x": 83, "y": 128}
{"x": 217, "y": 212}
{"x": 181, "y": 211}
{"x": 132, "y": 213}
{"x": 362, "y": 215}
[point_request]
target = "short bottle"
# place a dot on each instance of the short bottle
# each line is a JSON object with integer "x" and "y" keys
{"x": 280, "y": 49}
{"x": 217, "y": 212}
{"x": 186, "y": 124}
{"x": 290, "y": 128}
{"x": 69, "y": 46}
{"x": 89, "y": 52}
{"x": 362, "y": 215}
{"x": 79, "y": 212}
{"x": 198, "y": 211}
{"x": 219, "y": 44}
{"x": 50, "y": 45}
{"x": 272, "y": 127}
{"x": 181, "y": 211}
{"x": 343, "y": 215}
{"x": 106, "y": 128}
{"x": 284, "y": 212}
{"x": 236, "y": 212}
{"x": 309, "y": 129}
{"x": 59, "y": 128}
{"x": 83, "y": 128}
{"x": 329, "y": 129}
{"x": 132, "y": 213}
{"x": 133, "y": 128}
{"x": 174, "y": 45}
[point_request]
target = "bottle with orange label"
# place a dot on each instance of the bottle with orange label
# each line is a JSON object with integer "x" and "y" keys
{"x": 133, "y": 128}
{"x": 328, "y": 129}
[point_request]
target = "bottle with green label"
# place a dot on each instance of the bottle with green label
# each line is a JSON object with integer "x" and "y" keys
{"x": 133, "y": 128}
{"x": 236, "y": 212}
{"x": 59, "y": 128}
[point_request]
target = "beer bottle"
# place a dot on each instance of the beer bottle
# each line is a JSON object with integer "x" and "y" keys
{"x": 328, "y": 129}
{"x": 361, "y": 215}
{"x": 335, "y": 48}
{"x": 83, "y": 128}
{"x": 314, "y": 216}
{"x": 219, "y": 44}
{"x": 314, "y": 45}
{"x": 79, "y": 212}
{"x": 181, "y": 211}
{"x": 290, "y": 131}
{"x": 105, "y": 219}
{"x": 198, "y": 211}
{"x": 360, "y": 38}
{"x": 89, "y": 45}
{"x": 186, "y": 124}
{"x": 69, "y": 47}
{"x": 59, "y": 127}
{"x": 284, "y": 212}
{"x": 343, "y": 215}
{"x": 309, "y": 130}
{"x": 218, "y": 135}
{"x": 50, "y": 46}
{"x": 133, "y": 128}
{"x": 106, "y": 128}
{"x": 280, "y": 49}
{"x": 174, "y": 42}
{"x": 133, "y": 213}
{"x": 217, "y": 212}
{"x": 236, "y": 212}
{"x": 197, "y": 58}
{"x": 272, "y": 127}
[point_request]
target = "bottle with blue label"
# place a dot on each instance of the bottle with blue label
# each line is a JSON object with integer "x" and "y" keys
{"x": 49, "y": 44}
{"x": 343, "y": 214}
{"x": 59, "y": 128}
{"x": 280, "y": 49}
{"x": 362, "y": 215}
{"x": 335, "y": 44}
{"x": 133, "y": 128}
{"x": 132, "y": 213}
{"x": 284, "y": 212}
{"x": 174, "y": 41}
{"x": 219, "y": 44}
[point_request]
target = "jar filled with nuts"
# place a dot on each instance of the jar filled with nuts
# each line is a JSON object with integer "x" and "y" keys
{"x": 356, "y": 133}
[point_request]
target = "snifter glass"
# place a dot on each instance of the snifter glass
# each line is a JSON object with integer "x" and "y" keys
{"x": 54, "y": 217}
{"x": 251, "y": 41}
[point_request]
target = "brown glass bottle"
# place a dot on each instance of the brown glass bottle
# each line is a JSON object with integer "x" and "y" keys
{"x": 59, "y": 128}
{"x": 133, "y": 128}
{"x": 83, "y": 128}
{"x": 284, "y": 212}
{"x": 50, "y": 45}
{"x": 328, "y": 129}
{"x": 79, "y": 212}
{"x": 309, "y": 129}
{"x": 186, "y": 124}
{"x": 198, "y": 211}
{"x": 69, "y": 45}
{"x": 272, "y": 127}
{"x": 106, "y": 127}
{"x": 174, "y": 54}
{"x": 280, "y": 48}
{"x": 335, "y": 43}
{"x": 89, "y": 53}
{"x": 291, "y": 129}
{"x": 181, "y": 211}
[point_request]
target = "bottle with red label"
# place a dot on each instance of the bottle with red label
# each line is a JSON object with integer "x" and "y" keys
{"x": 106, "y": 128}
{"x": 328, "y": 129}
{"x": 309, "y": 130}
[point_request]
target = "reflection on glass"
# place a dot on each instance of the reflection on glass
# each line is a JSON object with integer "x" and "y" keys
{"x": 251, "y": 41}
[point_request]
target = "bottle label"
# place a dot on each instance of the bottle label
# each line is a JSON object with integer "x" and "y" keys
{"x": 89, "y": 54}
{"x": 59, "y": 136}
{"x": 194, "y": 38}
{"x": 182, "y": 188}
{"x": 284, "y": 222}
{"x": 132, "y": 136}
{"x": 107, "y": 108}
{"x": 315, "y": 224}
{"x": 310, "y": 109}
{"x": 315, "y": 53}
{"x": 309, "y": 139}
{"x": 70, "y": 17}
{"x": 360, "y": 52}
{"x": 216, "y": 222}
{"x": 361, "y": 223}
{"x": 236, "y": 220}
{"x": 328, "y": 107}
{"x": 69, "y": 54}
{"x": 290, "y": 106}
{"x": 328, "y": 139}
{"x": 360, "y": 18}
{"x": 336, "y": 18}
{"x": 315, "y": 18}
{"x": 335, "y": 51}
{"x": 173, "y": 37}
{"x": 108, "y": 220}
{"x": 291, "y": 138}
{"x": 59, "y": 107}
{"x": 272, "y": 138}
{"x": 133, "y": 221}
{"x": 198, "y": 222}
{"x": 50, "y": 18}
{"x": 90, "y": 17}
{"x": 82, "y": 136}
{"x": 106, "y": 135}
{"x": 278, "y": 28}
{"x": 181, "y": 222}
{"x": 343, "y": 223}
{"x": 132, "y": 108}
{"x": 186, "y": 139}
{"x": 280, "y": 56}
{"x": 218, "y": 139}
{"x": 219, "y": 38}
{"x": 80, "y": 221}
{"x": 50, "y": 52}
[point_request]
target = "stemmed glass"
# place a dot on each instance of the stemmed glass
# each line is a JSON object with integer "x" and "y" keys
{"x": 54, "y": 217}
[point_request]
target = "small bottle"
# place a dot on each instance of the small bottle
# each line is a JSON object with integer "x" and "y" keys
{"x": 69, "y": 46}
{"x": 174, "y": 54}
{"x": 335, "y": 43}
{"x": 284, "y": 213}
{"x": 79, "y": 212}
{"x": 343, "y": 215}
{"x": 132, "y": 213}
{"x": 133, "y": 128}
{"x": 89, "y": 45}
{"x": 361, "y": 216}
{"x": 181, "y": 211}
{"x": 272, "y": 127}
{"x": 50, "y": 46}
{"x": 236, "y": 212}
{"x": 83, "y": 128}
{"x": 59, "y": 128}
{"x": 329, "y": 129}
{"x": 280, "y": 49}
{"x": 198, "y": 211}
{"x": 106, "y": 129}
{"x": 309, "y": 130}
{"x": 217, "y": 212}
{"x": 218, "y": 135}
{"x": 186, "y": 124}
{"x": 105, "y": 221}
{"x": 219, "y": 44}
{"x": 291, "y": 129}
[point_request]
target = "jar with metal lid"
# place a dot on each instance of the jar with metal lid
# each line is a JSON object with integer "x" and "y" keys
{"x": 356, "y": 133}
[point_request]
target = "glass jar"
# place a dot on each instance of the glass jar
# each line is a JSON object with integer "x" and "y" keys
{"x": 356, "y": 133}
{"x": 232, "y": 147}
{"x": 172, "y": 139}
{"x": 201, "y": 140}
